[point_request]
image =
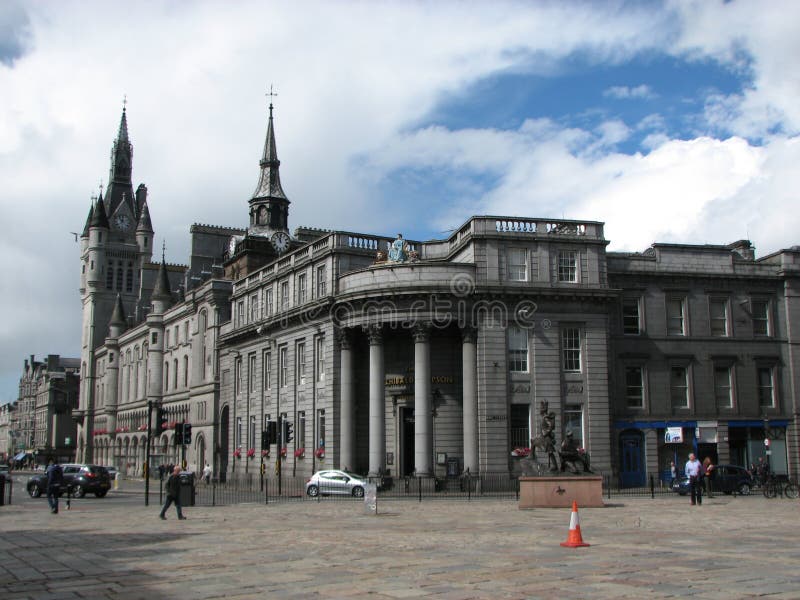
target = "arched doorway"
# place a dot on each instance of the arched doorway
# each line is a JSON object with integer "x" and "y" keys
{"x": 201, "y": 453}
{"x": 631, "y": 453}
{"x": 223, "y": 443}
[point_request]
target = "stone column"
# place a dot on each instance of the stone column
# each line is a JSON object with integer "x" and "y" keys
{"x": 423, "y": 418}
{"x": 469, "y": 376}
{"x": 348, "y": 404}
{"x": 377, "y": 380}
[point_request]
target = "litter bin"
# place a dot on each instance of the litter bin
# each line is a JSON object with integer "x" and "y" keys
{"x": 186, "y": 494}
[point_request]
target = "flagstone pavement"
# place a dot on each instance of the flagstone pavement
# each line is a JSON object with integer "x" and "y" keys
{"x": 640, "y": 548}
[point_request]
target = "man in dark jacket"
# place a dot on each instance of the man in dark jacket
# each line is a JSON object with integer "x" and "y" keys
{"x": 173, "y": 488}
{"x": 55, "y": 477}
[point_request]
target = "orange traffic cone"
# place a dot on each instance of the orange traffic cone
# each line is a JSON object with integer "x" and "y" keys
{"x": 574, "y": 539}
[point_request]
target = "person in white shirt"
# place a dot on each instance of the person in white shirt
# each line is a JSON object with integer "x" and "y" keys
{"x": 207, "y": 473}
{"x": 693, "y": 471}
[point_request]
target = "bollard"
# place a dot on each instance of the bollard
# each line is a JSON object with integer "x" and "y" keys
{"x": 652, "y": 487}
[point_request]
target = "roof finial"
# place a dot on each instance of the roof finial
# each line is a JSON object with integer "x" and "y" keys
{"x": 101, "y": 186}
{"x": 163, "y": 249}
{"x": 124, "y": 102}
{"x": 271, "y": 94}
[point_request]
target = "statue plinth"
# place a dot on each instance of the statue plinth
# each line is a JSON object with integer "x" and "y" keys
{"x": 560, "y": 491}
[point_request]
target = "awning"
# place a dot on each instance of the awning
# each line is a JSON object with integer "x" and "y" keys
{"x": 20, "y": 456}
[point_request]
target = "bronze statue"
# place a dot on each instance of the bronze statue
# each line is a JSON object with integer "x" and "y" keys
{"x": 572, "y": 456}
{"x": 546, "y": 440}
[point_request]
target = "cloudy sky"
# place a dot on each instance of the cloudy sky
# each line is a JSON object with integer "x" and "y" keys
{"x": 669, "y": 121}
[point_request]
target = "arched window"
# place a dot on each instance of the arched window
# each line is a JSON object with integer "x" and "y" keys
{"x": 175, "y": 374}
{"x": 185, "y": 371}
{"x": 119, "y": 276}
{"x": 110, "y": 276}
{"x": 166, "y": 375}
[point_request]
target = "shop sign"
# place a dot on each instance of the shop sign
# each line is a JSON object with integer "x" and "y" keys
{"x": 673, "y": 435}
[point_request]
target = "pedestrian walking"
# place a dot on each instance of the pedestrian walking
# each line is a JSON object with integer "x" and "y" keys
{"x": 673, "y": 472}
{"x": 708, "y": 476}
{"x": 693, "y": 470}
{"x": 207, "y": 472}
{"x": 55, "y": 477}
{"x": 173, "y": 494}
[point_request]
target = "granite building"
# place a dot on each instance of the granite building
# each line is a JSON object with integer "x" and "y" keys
{"x": 408, "y": 357}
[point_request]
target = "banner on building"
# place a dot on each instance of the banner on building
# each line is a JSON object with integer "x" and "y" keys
{"x": 673, "y": 435}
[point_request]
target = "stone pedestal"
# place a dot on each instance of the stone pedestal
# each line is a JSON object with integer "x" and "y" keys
{"x": 560, "y": 491}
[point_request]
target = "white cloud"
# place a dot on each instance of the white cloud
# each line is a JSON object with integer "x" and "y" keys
{"x": 623, "y": 92}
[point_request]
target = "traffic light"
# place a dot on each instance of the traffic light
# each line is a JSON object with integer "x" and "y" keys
{"x": 160, "y": 417}
{"x": 178, "y": 434}
{"x": 187, "y": 433}
{"x": 288, "y": 432}
{"x": 272, "y": 433}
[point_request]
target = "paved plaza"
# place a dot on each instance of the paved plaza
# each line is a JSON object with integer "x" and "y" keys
{"x": 640, "y": 547}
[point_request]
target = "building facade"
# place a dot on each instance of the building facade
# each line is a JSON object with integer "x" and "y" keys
{"x": 425, "y": 358}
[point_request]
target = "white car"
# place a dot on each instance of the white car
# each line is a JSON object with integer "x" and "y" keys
{"x": 336, "y": 483}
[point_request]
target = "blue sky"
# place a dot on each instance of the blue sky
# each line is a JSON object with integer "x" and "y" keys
{"x": 671, "y": 121}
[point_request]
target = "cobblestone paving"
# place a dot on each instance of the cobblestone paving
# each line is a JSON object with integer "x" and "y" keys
{"x": 640, "y": 548}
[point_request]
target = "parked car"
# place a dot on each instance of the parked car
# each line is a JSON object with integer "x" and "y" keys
{"x": 80, "y": 479}
{"x": 335, "y": 483}
{"x": 727, "y": 480}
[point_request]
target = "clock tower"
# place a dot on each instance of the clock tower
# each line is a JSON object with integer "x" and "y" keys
{"x": 268, "y": 229}
{"x": 115, "y": 245}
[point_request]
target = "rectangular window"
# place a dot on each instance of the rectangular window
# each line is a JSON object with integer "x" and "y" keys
{"x": 129, "y": 278}
{"x": 631, "y": 324}
{"x": 301, "y": 288}
{"x": 251, "y": 440}
{"x": 517, "y": 350}
{"x": 282, "y": 368}
{"x": 237, "y": 376}
{"x": 571, "y": 349}
{"x": 251, "y": 372}
{"x": 268, "y": 307}
{"x": 722, "y": 387}
{"x": 320, "y": 356}
{"x": 718, "y": 314}
{"x": 267, "y": 370}
{"x": 238, "y": 442}
{"x": 186, "y": 332}
{"x": 321, "y": 281}
{"x": 240, "y": 314}
{"x": 300, "y": 431}
{"x": 573, "y": 421}
{"x": 520, "y": 426}
{"x": 766, "y": 387}
{"x": 517, "y": 264}
{"x": 110, "y": 276}
{"x": 321, "y": 428}
{"x": 761, "y": 324}
{"x": 634, "y": 387}
{"x": 675, "y": 316}
{"x": 254, "y": 308}
{"x": 301, "y": 363}
{"x": 166, "y": 339}
{"x": 679, "y": 387}
{"x": 284, "y": 295}
{"x": 568, "y": 266}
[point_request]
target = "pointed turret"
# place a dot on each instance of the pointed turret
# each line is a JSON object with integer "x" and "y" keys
{"x": 117, "y": 324}
{"x": 162, "y": 295}
{"x": 144, "y": 234}
{"x": 85, "y": 233}
{"x": 99, "y": 217}
{"x": 269, "y": 206}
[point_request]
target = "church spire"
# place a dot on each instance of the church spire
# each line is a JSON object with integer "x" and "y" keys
{"x": 99, "y": 216}
{"x": 269, "y": 182}
{"x": 116, "y": 325}
{"x": 120, "y": 188}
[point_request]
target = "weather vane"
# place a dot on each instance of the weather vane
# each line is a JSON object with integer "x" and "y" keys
{"x": 271, "y": 94}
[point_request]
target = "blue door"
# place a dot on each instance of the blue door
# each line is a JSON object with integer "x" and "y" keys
{"x": 632, "y": 472}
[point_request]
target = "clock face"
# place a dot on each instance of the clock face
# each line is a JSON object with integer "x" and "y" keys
{"x": 122, "y": 222}
{"x": 280, "y": 241}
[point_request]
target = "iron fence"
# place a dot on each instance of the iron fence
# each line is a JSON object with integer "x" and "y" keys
{"x": 252, "y": 488}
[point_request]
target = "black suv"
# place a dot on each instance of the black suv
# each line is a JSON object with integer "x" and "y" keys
{"x": 727, "y": 479}
{"x": 78, "y": 479}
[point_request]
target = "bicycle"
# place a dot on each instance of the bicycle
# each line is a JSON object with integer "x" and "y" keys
{"x": 775, "y": 485}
